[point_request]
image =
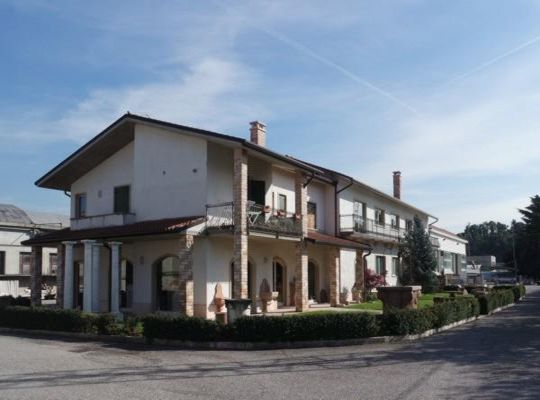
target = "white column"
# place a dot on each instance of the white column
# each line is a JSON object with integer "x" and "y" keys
{"x": 69, "y": 276}
{"x": 87, "y": 280}
{"x": 115, "y": 277}
{"x": 96, "y": 275}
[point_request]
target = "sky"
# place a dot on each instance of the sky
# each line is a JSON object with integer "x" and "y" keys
{"x": 446, "y": 92}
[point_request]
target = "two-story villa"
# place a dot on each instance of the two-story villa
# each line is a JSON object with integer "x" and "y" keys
{"x": 162, "y": 213}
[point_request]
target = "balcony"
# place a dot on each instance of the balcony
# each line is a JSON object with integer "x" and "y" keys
{"x": 263, "y": 219}
{"x": 99, "y": 221}
{"x": 368, "y": 228}
{"x": 434, "y": 241}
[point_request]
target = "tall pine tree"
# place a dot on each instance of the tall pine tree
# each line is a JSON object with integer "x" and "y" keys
{"x": 418, "y": 262}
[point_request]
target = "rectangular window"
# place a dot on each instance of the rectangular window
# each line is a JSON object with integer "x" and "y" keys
{"x": 53, "y": 263}
{"x": 395, "y": 266}
{"x": 121, "y": 199}
{"x": 394, "y": 221}
{"x": 379, "y": 216}
{"x": 80, "y": 205}
{"x": 311, "y": 215}
{"x": 408, "y": 225}
{"x": 2, "y": 262}
{"x": 359, "y": 214}
{"x": 25, "y": 262}
{"x": 282, "y": 202}
{"x": 380, "y": 265}
{"x": 447, "y": 260}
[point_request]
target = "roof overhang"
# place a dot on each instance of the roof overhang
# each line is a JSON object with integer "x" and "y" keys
{"x": 122, "y": 131}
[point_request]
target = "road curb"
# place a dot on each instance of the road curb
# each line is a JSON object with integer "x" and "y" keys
{"x": 191, "y": 345}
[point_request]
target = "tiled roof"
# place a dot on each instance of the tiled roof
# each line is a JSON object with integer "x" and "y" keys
{"x": 152, "y": 227}
{"x": 322, "y": 238}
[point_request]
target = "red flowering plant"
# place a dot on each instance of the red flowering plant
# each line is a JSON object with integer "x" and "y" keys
{"x": 373, "y": 280}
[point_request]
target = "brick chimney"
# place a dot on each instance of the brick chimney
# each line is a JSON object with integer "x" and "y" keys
{"x": 397, "y": 184}
{"x": 257, "y": 132}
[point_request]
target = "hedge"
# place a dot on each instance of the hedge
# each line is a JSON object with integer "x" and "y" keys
{"x": 56, "y": 320}
{"x": 495, "y": 299}
{"x": 182, "y": 328}
{"x": 304, "y": 327}
{"x": 518, "y": 290}
{"x": 6, "y": 301}
{"x": 415, "y": 321}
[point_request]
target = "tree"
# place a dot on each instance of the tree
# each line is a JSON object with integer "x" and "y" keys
{"x": 418, "y": 261}
{"x": 489, "y": 238}
{"x": 527, "y": 239}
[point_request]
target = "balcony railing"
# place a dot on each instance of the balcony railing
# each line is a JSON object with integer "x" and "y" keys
{"x": 259, "y": 219}
{"x": 357, "y": 224}
{"x": 434, "y": 241}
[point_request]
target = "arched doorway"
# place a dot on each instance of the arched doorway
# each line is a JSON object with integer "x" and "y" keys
{"x": 126, "y": 284}
{"x": 251, "y": 280}
{"x": 313, "y": 281}
{"x": 167, "y": 282}
{"x": 279, "y": 279}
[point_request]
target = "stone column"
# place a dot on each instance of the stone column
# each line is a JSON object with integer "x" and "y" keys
{"x": 96, "y": 276}
{"x": 69, "y": 275}
{"x": 115, "y": 277}
{"x": 301, "y": 277}
{"x": 359, "y": 276}
{"x": 186, "y": 275}
{"x": 35, "y": 275}
{"x": 60, "y": 275}
{"x": 301, "y": 271}
{"x": 87, "y": 280}
{"x": 333, "y": 275}
{"x": 240, "y": 225}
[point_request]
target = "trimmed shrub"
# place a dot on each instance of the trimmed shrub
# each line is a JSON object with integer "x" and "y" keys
{"x": 180, "y": 328}
{"x": 495, "y": 299}
{"x": 304, "y": 327}
{"x": 105, "y": 324}
{"x": 444, "y": 312}
{"x": 7, "y": 301}
{"x": 46, "y": 319}
{"x": 518, "y": 290}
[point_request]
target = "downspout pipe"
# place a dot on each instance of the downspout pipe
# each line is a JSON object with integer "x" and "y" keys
{"x": 67, "y": 193}
{"x": 364, "y": 265}
{"x": 336, "y": 202}
{"x": 433, "y": 223}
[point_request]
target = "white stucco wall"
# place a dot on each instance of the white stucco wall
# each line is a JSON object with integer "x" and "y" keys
{"x": 170, "y": 172}
{"x": 220, "y": 174}
{"x": 388, "y": 252}
{"x": 99, "y": 183}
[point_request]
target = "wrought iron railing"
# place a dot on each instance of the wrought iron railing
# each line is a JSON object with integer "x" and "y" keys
{"x": 352, "y": 223}
{"x": 259, "y": 218}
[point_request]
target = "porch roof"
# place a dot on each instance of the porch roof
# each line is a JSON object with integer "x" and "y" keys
{"x": 322, "y": 238}
{"x": 151, "y": 227}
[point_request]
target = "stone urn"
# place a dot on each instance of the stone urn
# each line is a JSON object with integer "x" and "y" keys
{"x": 265, "y": 295}
{"x": 399, "y": 297}
{"x": 219, "y": 299}
{"x": 237, "y": 308}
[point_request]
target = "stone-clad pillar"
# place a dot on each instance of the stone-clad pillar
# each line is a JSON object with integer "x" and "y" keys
{"x": 87, "y": 279}
{"x": 186, "y": 275}
{"x": 35, "y": 275}
{"x": 60, "y": 275}
{"x": 69, "y": 275}
{"x": 240, "y": 224}
{"x": 333, "y": 275}
{"x": 301, "y": 270}
{"x": 115, "y": 277}
{"x": 359, "y": 276}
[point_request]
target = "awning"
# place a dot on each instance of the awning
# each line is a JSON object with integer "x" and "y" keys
{"x": 321, "y": 238}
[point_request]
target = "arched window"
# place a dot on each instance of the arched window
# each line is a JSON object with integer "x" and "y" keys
{"x": 126, "y": 284}
{"x": 312, "y": 281}
{"x": 279, "y": 279}
{"x": 167, "y": 283}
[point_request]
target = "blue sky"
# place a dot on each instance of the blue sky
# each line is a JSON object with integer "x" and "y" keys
{"x": 446, "y": 92}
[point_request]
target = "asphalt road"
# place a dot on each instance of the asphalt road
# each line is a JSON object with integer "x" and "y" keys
{"x": 496, "y": 357}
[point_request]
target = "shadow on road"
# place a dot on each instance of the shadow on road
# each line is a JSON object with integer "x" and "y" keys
{"x": 502, "y": 352}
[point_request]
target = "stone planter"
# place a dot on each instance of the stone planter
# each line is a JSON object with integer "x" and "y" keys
{"x": 237, "y": 308}
{"x": 399, "y": 297}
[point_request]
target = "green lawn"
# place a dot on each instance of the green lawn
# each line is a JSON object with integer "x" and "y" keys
{"x": 426, "y": 300}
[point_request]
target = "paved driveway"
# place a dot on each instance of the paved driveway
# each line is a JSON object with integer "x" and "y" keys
{"x": 496, "y": 357}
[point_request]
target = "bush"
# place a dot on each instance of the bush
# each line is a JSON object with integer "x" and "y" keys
{"x": 7, "y": 301}
{"x": 495, "y": 299}
{"x": 415, "y": 321}
{"x": 46, "y": 319}
{"x": 180, "y": 328}
{"x": 517, "y": 290}
{"x": 303, "y": 327}
{"x": 105, "y": 324}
